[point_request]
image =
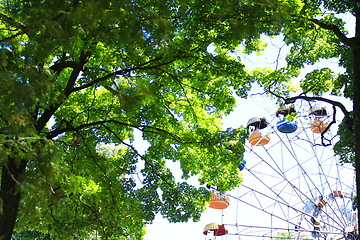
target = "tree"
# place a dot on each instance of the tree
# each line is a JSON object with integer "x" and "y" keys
{"x": 80, "y": 78}
{"x": 80, "y": 74}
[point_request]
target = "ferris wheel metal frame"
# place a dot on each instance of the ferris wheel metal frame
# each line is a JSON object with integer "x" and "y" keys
{"x": 294, "y": 187}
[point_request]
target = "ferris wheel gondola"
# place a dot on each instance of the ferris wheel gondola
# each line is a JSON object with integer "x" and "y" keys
{"x": 284, "y": 125}
{"x": 319, "y": 116}
{"x": 256, "y": 126}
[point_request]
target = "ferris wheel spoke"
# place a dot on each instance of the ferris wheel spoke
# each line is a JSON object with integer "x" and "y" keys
{"x": 303, "y": 171}
{"x": 280, "y": 174}
{"x": 262, "y": 210}
{"x": 291, "y": 150}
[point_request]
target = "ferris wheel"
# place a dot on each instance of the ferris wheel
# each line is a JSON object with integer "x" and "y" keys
{"x": 294, "y": 187}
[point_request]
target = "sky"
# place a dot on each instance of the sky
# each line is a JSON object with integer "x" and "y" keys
{"x": 302, "y": 157}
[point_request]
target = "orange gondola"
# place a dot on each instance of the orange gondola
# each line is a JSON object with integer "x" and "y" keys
{"x": 219, "y": 201}
{"x": 319, "y": 114}
{"x": 318, "y": 126}
{"x": 256, "y": 137}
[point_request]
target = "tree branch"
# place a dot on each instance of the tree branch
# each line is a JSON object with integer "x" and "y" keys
{"x": 20, "y": 139}
{"x": 10, "y": 174}
{"x": 12, "y": 21}
{"x": 11, "y": 37}
{"x": 142, "y": 128}
{"x": 169, "y": 111}
{"x": 327, "y": 128}
{"x": 303, "y": 97}
{"x": 100, "y": 79}
{"x": 83, "y": 59}
{"x": 53, "y": 217}
{"x": 334, "y": 103}
{"x": 335, "y": 29}
{"x": 62, "y": 64}
{"x": 142, "y": 66}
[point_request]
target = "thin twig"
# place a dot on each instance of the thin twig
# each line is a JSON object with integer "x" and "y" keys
{"x": 327, "y": 128}
{"x": 141, "y": 157}
{"x": 95, "y": 213}
{"x": 10, "y": 174}
{"x": 182, "y": 87}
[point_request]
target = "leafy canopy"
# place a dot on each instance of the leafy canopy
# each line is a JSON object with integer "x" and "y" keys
{"x": 80, "y": 74}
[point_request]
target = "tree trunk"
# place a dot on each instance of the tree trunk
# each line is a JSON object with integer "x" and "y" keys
{"x": 355, "y": 48}
{"x": 356, "y": 115}
{"x": 10, "y": 197}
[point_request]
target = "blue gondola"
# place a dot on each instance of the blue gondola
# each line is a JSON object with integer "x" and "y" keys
{"x": 283, "y": 125}
{"x": 286, "y": 127}
{"x": 242, "y": 165}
